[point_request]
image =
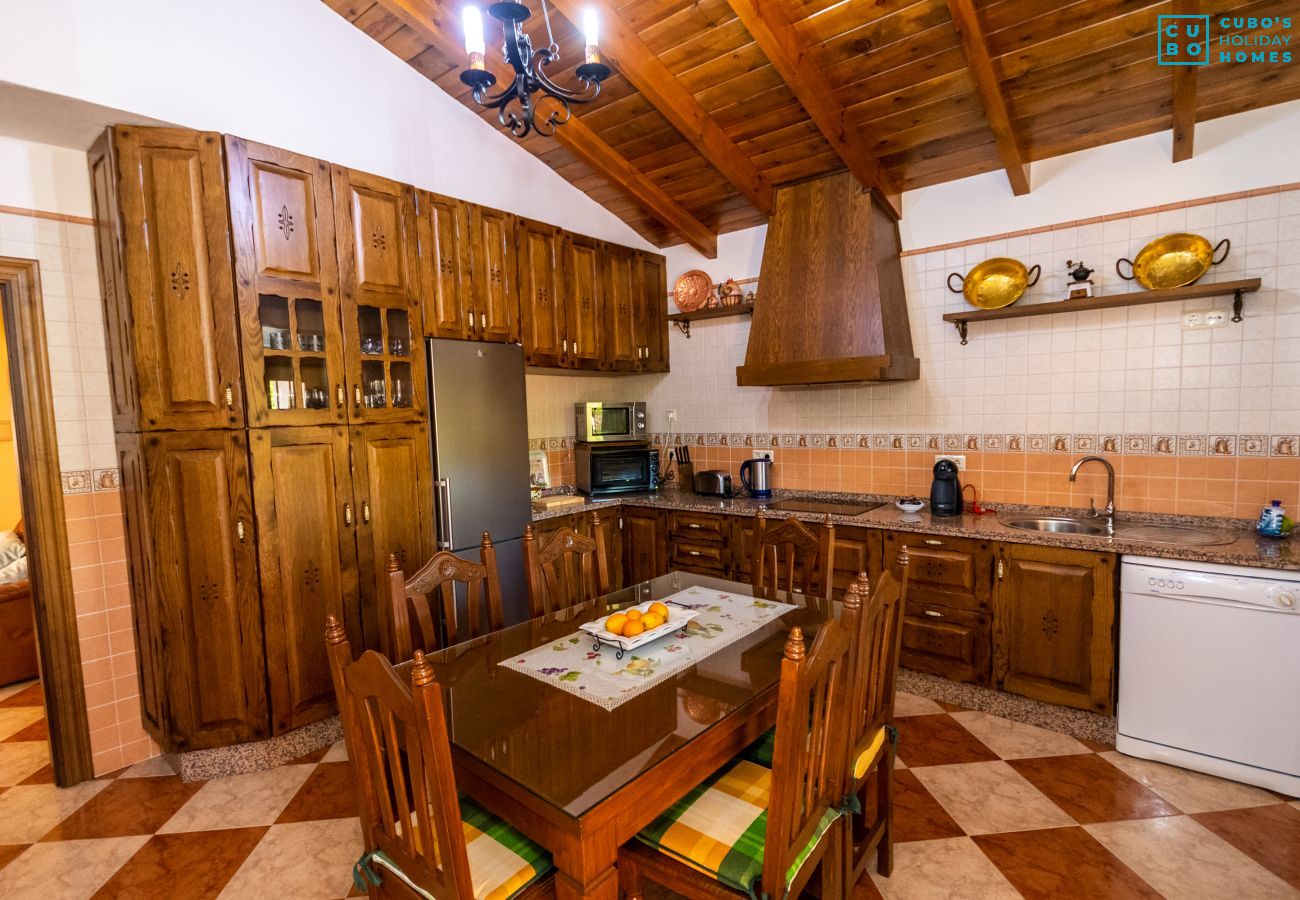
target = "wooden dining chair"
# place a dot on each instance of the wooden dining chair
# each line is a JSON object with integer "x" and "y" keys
{"x": 419, "y": 834}
{"x": 873, "y": 742}
{"x": 788, "y": 556}
{"x": 423, "y": 611}
{"x": 570, "y": 569}
{"x": 702, "y": 846}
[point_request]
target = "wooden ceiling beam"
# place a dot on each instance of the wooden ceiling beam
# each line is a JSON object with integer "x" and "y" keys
{"x": 426, "y": 18}
{"x": 1184, "y": 87}
{"x": 630, "y": 55}
{"x": 992, "y": 96}
{"x": 772, "y": 30}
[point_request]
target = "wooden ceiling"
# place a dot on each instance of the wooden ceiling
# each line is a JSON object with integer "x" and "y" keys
{"x": 714, "y": 103}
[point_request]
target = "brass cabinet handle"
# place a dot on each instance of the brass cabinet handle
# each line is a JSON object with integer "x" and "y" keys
{"x": 934, "y": 614}
{"x": 693, "y": 525}
{"x": 934, "y": 543}
{"x": 694, "y": 552}
{"x": 1001, "y": 569}
{"x": 471, "y": 318}
{"x": 356, "y": 395}
{"x": 482, "y": 321}
{"x": 365, "y": 511}
{"x": 566, "y": 345}
{"x": 240, "y": 531}
{"x": 230, "y": 396}
{"x": 340, "y": 396}
{"x": 575, "y": 348}
{"x": 347, "y": 513}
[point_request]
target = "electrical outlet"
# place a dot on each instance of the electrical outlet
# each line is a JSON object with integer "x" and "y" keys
{"x": 769, "y": 455}
{"x": 672, "y": 415}
{"x": 1213, "y": 318}
{"x": 958, "y": 458}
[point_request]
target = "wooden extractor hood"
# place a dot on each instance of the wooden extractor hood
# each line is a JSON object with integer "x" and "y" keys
{"x": 830, "y": 305}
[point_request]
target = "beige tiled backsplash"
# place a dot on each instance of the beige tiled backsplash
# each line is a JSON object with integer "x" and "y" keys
{"x": 1215, "y": 412}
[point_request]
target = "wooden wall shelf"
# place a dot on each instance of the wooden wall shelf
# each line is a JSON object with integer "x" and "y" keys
{"x": 1238, "y": 290}
{"x": 683, "y": 320}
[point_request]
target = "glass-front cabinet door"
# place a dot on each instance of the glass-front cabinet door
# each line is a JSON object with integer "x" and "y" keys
{"x": 286, "y": 276}
{"x": 379, "y": 275}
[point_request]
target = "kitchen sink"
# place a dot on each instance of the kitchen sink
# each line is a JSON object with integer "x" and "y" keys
{"x": 1056, "y": 525}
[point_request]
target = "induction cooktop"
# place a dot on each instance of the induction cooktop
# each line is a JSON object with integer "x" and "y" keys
{"x": 795, "y": 504}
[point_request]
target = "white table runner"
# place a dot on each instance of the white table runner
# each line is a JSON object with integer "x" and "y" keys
{"x": 571, "y": 664}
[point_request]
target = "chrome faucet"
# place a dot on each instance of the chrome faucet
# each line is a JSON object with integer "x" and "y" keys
{"x": 1109, "y": 512}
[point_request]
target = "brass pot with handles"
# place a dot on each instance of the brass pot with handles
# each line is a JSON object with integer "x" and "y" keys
{"x": 1173, "y": 261}
{"x": 995, "y": 283}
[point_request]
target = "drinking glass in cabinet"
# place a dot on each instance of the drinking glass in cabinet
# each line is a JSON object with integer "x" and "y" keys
{"x": 370, "y": 329}
{"x": 399, "y": 333}
{"x": 315, "y": 383}
{"x": 309, "y": 322}
{"x": 401, "y": 374}
{"x": 273, "y": 315}
{"x": 374, "y": 388}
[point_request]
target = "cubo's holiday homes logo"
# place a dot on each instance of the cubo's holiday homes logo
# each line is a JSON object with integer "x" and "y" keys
{"x": 1201, "y": 40}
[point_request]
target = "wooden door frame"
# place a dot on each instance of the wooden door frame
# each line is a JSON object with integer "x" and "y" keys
{"x": 44, "y": 522}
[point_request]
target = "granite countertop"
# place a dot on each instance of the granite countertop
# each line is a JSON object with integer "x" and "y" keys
{"x": 1246, "y": 549}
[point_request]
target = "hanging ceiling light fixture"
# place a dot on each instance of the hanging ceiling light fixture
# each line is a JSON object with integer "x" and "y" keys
{"x": 518, "y": 102}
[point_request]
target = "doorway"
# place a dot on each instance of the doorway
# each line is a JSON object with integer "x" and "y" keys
{"x": 43, "y": 532}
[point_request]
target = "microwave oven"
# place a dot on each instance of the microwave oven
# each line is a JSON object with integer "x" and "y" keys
{"x": 607, "y": 471}
{"x": 594, "y": 422}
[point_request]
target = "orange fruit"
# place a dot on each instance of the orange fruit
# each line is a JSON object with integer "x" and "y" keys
{"x": 652, "y": 620}
{"x": 633, "y": 615}
{"x": 616, "y": 623}
{"x": 659, "y": 610}
{"x": 632, "y": 629}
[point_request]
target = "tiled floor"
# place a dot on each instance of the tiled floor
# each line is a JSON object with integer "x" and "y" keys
{"x": 986, "y": 808}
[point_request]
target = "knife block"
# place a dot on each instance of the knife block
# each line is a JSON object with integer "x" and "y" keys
{"x": 686, "y": 477}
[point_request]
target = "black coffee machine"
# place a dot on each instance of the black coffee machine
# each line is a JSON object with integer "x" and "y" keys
{"x": 945, "y": 490}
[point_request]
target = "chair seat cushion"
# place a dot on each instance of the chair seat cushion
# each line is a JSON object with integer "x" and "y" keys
{"x": 502, "y": 861}
{"x": 719, "y": 828}
{"x": 763, "y": 749}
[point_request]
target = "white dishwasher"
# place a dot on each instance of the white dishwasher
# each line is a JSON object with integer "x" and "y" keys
{"x": 1209, "y": 669}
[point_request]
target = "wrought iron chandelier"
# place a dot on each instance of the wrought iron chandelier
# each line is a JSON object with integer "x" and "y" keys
{"x": 518, "y": 102}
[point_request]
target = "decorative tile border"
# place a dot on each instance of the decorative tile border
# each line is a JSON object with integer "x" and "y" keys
{"x": 85, "y": 481}
{"x": 1280, "y": 446}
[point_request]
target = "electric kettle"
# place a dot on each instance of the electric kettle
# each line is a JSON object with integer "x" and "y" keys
{"x": 756, "y": 476}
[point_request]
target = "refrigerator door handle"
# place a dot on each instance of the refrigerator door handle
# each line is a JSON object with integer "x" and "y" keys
{"x": 444, "y": 512}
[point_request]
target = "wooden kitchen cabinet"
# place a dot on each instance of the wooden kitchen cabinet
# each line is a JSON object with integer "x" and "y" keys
{"x": 393, "y": 485}
{"x": 494, "y": 268}
{"x": 652, "y": 311}
{"x": 166, "y": 275}
{"x": 951, "y": 571}
{"x": 941, "y": 640}
{"x": 380, "y": 285}
{"x": 307, "y": 550}
{"x": 286, "y": 279}
{"x": 545, "y": 529}
{"x": 699, "y": 542}
{"x": 645, "y": 544}
{"x": 444, "y": 231}
{"x": 856, "y": 550}
{"x": 542, "y": 305}
{"x": 584, "y": 299}
{"x": 1053, "y": 625}
{"x": 622, "y": 344}
{"x": 193, "y": 562}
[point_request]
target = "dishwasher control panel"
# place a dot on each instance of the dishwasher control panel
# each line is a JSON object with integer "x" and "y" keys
{"x": 1264, "y": 589}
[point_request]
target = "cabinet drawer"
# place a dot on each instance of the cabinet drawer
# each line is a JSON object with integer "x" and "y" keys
{"x": 953, "y": 572}
{"x": 697, "y": 526}
{"x": 954, "y": 643}
{"x": 696, "y": 554}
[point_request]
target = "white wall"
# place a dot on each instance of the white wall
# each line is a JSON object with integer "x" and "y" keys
{"x": 291, "y": 73}
{"x": 1235, "y": 153}
{"x": 45, "y": 178}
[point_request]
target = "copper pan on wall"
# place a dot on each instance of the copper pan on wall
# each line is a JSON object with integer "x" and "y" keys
{"x": 995, "y": 283}
{"x": 1173, "y": 261}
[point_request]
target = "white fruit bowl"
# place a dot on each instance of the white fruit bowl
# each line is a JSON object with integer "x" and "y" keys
{"x": 678, "y": 616}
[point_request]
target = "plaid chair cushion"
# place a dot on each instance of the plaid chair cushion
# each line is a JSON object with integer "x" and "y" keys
{"x": 502, "y": 862}
{"x": 719, "y": 828}
{"x": 763, "y": 749}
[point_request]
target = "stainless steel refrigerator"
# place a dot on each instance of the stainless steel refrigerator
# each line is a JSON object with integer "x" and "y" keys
{"x": 479, "y": 429}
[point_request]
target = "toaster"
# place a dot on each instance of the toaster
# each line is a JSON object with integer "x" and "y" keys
{"x": 714, "y": 482}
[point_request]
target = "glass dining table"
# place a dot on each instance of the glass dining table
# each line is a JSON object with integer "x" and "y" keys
{"x": 581, "y": 779}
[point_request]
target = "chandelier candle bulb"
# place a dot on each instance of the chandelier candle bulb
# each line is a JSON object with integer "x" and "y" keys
{"x": 591, "y": 30}
{"x": 474, "y": 46}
